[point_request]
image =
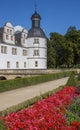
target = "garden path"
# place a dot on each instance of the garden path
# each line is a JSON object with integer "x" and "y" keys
{"x": 10, "y": 98}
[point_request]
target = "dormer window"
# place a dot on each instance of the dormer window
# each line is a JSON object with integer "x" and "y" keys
{"x": 7, "y": 37}
{"x": 12, "y": 38}
{"x": 23, "y": 40}
{"x": 8, "y": 30}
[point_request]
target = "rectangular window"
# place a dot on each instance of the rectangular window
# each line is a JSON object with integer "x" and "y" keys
{"x": 12, "y": 38}
{"x": 4, "y": 49}
{"x": 17, "y": 64}
{"x": 24, "y": 64}
{"x": 36, "y": 63}
{"x": 36, "y": 41}
{"x": 8, "y": 64}
{"x": 24, "y": 52}
{"x": 36, "y": 52}
{"x": 14, "y": 51}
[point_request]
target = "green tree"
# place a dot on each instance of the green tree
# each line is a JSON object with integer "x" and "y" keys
{"x": 73, "y": 35}
{"x": 57, "y": 42}
{"x": 68, "y": 54}
{"x": 51, "y": 56}
{"x": 64, "y": 51}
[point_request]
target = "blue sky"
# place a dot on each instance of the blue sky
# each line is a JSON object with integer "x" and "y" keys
{"x": 57, "y": 15}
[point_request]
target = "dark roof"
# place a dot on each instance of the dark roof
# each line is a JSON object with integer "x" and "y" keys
{"x": 36, "y": 32}
{"x": 35, "y": 15}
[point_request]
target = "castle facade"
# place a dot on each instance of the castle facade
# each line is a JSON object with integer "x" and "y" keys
{"x": 23, "y": 49}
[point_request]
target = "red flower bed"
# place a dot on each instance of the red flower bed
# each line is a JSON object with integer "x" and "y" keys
{"x": 47, "y": 114}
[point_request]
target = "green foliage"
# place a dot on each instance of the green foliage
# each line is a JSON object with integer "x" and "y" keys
{"x": 73, "y": 111}
{"x": 78, "y": 89}
{"x": 7, "y": 85}
{"x": 71, "y": 117}
{"x": 51, "y": 60}
{"x": 64, "y": 50}
{"x": 76, "y": 66}
{"x": 2, "y": 126}
{"x": 72, "y": 81}
{"x": 78, "y": 76}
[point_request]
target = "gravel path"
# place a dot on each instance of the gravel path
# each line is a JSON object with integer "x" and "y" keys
{"x": 14, "y": 97}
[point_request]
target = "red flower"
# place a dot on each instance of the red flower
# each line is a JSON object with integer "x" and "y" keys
{"x": 47, "y": 114}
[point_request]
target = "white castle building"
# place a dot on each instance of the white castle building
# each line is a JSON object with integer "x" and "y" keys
{"x": 22, "y": 49}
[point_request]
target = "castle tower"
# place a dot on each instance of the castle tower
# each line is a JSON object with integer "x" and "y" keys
{"x": 37, "y": 52}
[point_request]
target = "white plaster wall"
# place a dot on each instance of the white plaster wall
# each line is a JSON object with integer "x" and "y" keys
{"x": 41, "y": 46}
{"x": 41, "y": 63}
{"x": 42, "y": 58}
{"x": 29, "y": 59}
{"x": 12, "y": 58}
{"x": 42, "y": 42}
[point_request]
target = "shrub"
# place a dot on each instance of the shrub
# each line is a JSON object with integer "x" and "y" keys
{"x": 2, "y": 126}
{"x": 78, "y": 90}
{"x": 23, "y": 82}
{"x": 72, "y": 81}
{"x": 73, "y": 111}
{"x": 70, "y": 117}
{"x": 78, "y": 76}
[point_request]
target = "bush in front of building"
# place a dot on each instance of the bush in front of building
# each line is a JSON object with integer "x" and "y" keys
{"x": 7, "y": 85}
{"x": 72, "y": 81}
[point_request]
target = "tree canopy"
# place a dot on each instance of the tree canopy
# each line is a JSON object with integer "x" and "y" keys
{"x": 64, "y": 50}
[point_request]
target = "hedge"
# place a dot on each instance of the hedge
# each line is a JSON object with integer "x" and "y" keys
{"x": 72, "y": 81}
{"x": 6, "y": 85}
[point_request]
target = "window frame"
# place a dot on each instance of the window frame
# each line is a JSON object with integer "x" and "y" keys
{"x": 4, "y": 49}
{"x": 36, "y": 52}
{"x": 25, "y": 64}
{"x": 17, "y": 64}
{"x": 36, "y": 63}
{"x": 8, "y": 64}
{"x": 36, "y": 41}
{"x": 14, "y": 51}
{"x": 24, "y": 52}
